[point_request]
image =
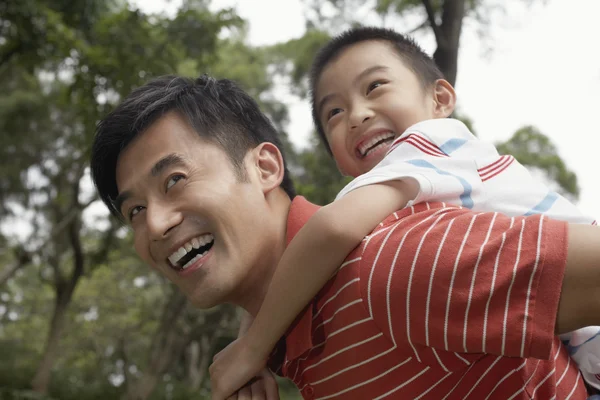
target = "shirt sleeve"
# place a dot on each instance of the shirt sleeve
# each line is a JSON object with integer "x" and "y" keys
{"x": 450, "y": 280}
{"x": 440, "y": 177}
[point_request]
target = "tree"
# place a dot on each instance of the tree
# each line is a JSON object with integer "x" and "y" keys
{"x": 65, "y": 75}
{"x": 442, "y": 18}
{"x": 61, "y": 72}
{"x": 537, "y": 152}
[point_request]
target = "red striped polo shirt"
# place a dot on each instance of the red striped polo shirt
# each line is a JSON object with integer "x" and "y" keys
{"x": 438, "y": 302}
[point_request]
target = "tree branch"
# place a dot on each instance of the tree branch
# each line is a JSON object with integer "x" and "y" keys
{"x": 26, "y": 256}
{"x": 23, "y": 259}
{"x": 439, "y": 38}
{"x": 75, "y": 240}
{"x": 101, "y": 254}
{"x": 418, "y": 27}
{"x": 5, "y": 58}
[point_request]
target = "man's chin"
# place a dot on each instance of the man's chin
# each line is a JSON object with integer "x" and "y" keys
{"x": 205, "y": 301}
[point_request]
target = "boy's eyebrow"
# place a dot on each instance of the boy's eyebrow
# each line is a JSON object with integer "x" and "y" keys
{"x": 366, "y": 72}
{"x": 161, "y": 165}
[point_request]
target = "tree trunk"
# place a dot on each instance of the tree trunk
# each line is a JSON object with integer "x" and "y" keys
{"x": 41, "y": 380}
{"x": 199, "y": 360}
{"x": 64, "y": 293}
{"x": 193, "y": 372}
{"x": 9, "y": 271}
{"x": 447, "y": 35}
{"x": 167, "y": 346}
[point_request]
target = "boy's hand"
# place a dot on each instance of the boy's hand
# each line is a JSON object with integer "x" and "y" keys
{"x": 262, "y": 387}
{"x": 234, "y": 367}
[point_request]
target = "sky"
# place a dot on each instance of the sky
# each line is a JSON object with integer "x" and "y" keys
{"x": 536, "y": 67}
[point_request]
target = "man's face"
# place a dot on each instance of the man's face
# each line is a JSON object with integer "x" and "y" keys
{"x": 367, "y": 97}
{"x": 194, "y": 220}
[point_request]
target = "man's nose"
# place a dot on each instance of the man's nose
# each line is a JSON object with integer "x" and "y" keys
{"x": 161, "y": 219}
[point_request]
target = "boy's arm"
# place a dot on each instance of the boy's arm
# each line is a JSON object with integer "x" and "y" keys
{"x": 318, "y": 250}
{"x": 308, "y": 262}
{"x": 245, "y": 322}
{"x": 579, "y": 304}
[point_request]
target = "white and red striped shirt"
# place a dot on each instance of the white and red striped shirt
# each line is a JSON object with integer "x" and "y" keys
{"x": 437, "y": 303}
{"x": 453, "y": 166}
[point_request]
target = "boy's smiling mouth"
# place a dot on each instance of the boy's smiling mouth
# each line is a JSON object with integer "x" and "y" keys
{"x": 383, "y": 138}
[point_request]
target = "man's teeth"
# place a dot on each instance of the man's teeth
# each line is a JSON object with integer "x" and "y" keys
{"x": 193, "y": 260}
{"x": 194, "y": 243}
{"x": 366, "y": 146}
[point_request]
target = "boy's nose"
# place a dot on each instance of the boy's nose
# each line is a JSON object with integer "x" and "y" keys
{"x": 360, "y": 116}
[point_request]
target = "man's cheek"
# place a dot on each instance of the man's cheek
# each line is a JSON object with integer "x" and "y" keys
{"x": 141, "y": 248}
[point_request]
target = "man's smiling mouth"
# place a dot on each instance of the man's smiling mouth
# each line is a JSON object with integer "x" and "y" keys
{"x": 191, "y": 251}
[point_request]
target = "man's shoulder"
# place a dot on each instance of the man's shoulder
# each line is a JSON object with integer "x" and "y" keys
{"x": 299, "y": 213}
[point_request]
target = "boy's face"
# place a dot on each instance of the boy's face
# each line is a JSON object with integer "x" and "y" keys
{"x": 366, "y": 98}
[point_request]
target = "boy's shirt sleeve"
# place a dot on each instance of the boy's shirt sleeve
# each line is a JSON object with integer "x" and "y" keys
{"x": 427, "y": 153}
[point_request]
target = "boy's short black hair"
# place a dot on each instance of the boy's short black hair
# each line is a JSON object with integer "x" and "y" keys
{"x": 421, "y": 64}
{"x": 217, "y": 109}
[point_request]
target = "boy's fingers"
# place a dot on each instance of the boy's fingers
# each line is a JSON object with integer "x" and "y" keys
{"x": 216, "y": 356}
{"x": 258, "y": 390}
{"x": 244, "y": 393}
{"x": 271, "y": 389}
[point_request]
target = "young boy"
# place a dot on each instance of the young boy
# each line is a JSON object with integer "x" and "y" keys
{"x": 381, "y": 106}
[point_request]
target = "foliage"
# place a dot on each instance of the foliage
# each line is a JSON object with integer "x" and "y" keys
{"x": 536, "y": 151}
{"x": 80, "y": 316}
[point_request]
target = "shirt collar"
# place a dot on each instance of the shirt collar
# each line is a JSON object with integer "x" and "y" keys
{"x": 298, "y": 338}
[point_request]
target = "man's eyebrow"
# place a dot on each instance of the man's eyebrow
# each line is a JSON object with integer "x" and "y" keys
{"x": 161, "y": 165}
{"x": 366, "y": 72}
{"x": 121, "y": 198}
{"x": 166, "y": 162}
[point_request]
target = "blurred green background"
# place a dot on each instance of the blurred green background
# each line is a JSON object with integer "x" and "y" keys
{"x": 81, "y": 317}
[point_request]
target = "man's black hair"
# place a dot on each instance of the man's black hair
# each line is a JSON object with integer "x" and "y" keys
{"x": 217, "y": 109}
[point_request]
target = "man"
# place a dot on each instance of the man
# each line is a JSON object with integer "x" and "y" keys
{"x": 196, "y": 169}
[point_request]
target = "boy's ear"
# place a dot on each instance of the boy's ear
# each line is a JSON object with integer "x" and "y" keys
{"x": 444, "y": 97}
{"x": 268, "y": 164}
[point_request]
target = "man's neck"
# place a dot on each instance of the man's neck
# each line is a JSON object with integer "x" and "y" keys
{"x": 259, "y": 278}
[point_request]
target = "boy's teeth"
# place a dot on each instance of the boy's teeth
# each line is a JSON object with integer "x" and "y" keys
{"x": 188, "y": 247}
{"x": 365, "y": 147}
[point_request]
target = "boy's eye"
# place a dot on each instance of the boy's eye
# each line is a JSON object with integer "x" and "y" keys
{"x": 173, "y": 180}
{"x": 374, "y": 86}
{"x": 134, "y": 211}
{"x": 333, "y": 112}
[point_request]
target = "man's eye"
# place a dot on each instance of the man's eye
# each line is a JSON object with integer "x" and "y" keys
{"x": 333, "y": 112}
{"x": 374, "y": 86}
{"x": 173, "y": 180}
{"x": 135, "y": 211}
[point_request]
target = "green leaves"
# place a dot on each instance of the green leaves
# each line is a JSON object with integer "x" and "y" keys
{"x": 536, "y": 151}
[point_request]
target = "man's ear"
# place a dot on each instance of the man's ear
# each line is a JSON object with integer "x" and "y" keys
{"x": 444, "y": 98}
{"x": 268, "y": 164}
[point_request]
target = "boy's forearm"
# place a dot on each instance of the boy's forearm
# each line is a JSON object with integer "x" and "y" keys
{"x": 245, "y": 322}
{"x": 317, "y": 251}
{"x": 307, "y": 264}
{"x": 579, "y": 304}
